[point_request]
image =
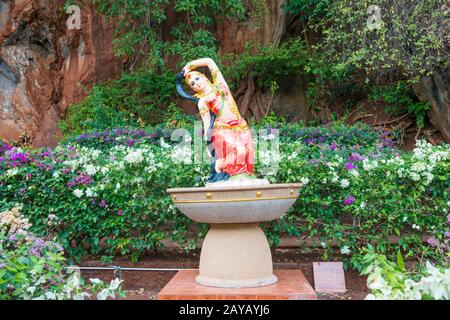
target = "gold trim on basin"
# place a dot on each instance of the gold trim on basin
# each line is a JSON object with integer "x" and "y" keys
{"x": 234, "y": 200}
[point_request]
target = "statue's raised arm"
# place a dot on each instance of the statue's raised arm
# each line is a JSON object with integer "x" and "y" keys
{"x": 216, "y": 75}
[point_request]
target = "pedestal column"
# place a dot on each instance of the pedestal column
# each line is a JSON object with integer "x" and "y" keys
{"x": 236, "y": 256}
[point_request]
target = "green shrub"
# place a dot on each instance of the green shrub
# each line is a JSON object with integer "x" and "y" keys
{"x": 108, "y": 190}
{"x": 136, "y": 99}
{"x": 32, "y": 268}
{"x": 390, "y": 281}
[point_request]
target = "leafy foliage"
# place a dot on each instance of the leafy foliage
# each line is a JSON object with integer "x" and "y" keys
{"x": 32, "y": 268}
{"x": 142, "y": 28}
{"x": 400, "y": 99}
{"x": 105, "y": 189}
{"x": 407, "y": 37}
{"x": 390, "y": 281}
{"x": 136, "y": 99}
{"x": 270, "y": 63}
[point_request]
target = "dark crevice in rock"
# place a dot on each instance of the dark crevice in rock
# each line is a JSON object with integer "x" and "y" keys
{"x": 6, "y": 74}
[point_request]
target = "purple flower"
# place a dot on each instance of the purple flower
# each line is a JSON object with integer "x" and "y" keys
{"x": 83, "y": 179}
{"x": 355, "y": 156}
{"x": 12, "y": 237}
{"x": 350, "y": 166}
{"x": 432, "y": 242}
{"x": 39, "y": 242}
{"x": 130, "y": 142}
{"x": 2, "y": 159}
{"x": 349, "y": 200}
{"x": 333, "y": 147}
{"x": 447, "y": 234}
{"x": 35, "y": 252}
{"x": 448, "y": 218}
{"x": 20, "y": 157}
{"x": 103, "y": 204}
{"x": 120, "y": 213}
{"x": 2, "y": 265}
{"x": 71, "y": 184}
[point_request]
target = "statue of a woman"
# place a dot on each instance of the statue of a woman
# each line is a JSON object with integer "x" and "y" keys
{"x": 228, "y": 136}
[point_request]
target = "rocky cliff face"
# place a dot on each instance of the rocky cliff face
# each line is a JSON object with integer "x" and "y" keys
{"x": 45, "y": 67}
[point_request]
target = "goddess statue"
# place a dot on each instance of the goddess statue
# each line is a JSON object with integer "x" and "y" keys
{"x": 228, "y": 137}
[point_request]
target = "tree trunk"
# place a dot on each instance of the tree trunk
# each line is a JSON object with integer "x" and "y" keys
{"x": 436, "y": 91}
{"x": 254, "y": 102}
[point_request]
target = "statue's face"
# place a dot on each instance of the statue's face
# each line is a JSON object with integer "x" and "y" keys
{"x": 198, "y": 83}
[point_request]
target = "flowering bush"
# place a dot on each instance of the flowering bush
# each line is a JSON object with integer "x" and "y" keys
{"x": 32, "y": 268}
{"x": 388, "y": 281}
{"x": 356, "y": 196}
{"x": 104, "y": 193}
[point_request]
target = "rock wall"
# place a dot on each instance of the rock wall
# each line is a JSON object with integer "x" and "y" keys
{"x": 45, "y": 67}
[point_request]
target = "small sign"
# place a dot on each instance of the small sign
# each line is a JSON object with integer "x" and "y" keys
{"x": 329, "y": 277}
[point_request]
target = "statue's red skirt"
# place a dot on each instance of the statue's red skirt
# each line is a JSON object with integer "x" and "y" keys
{"x": 233, "y": 144}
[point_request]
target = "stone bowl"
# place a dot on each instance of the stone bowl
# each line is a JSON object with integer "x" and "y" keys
{"x": 235, "y": 204}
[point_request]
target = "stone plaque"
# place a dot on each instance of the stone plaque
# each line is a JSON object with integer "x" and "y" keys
{"x": 329, "y": 277}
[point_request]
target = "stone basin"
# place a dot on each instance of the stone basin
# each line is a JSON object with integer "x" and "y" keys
{"x": 235, "y": 252}
{"x": 235, "y": 204}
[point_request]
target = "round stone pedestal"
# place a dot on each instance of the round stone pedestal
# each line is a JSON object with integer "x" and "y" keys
{"x": 236, "y": 256}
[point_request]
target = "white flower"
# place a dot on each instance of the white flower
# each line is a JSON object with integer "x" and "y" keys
{"x": 304, "y": 181}
{"x": 369, "y": 165}
{"x": 164, "y": 144}
{"x": 104, "y": 170}
{"x": 102, "y": 295}
{"x": 345, "y": 250}
{"x": 89, "y": 193}
{"x": 50, "y": 295}
{"x": 345, "y": 183}
{"x": 267, "y": 137}
{"x": 182, "y": 154}
{"x": 56, "y": 174}
{"x": 415, "y": 226}
{"x": 354, "y": 172}
{"x": 90, "y": 169}
{"x": 81, "y": 296}
{"x": 95, "y": 154}
{"x": 78, "y": 193}
{"x": 429, "y": 176}
{"x": 114, "y": 285}
{"x": 95, "y": 281}
{"x": 362, "y": 205}
{"x": 134, "y": 157}
{"x": 117, "y": 186}
{"x": 418, "y": 166}
{"x": 12, "y": 172}
{"x": 414, "y": 176}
